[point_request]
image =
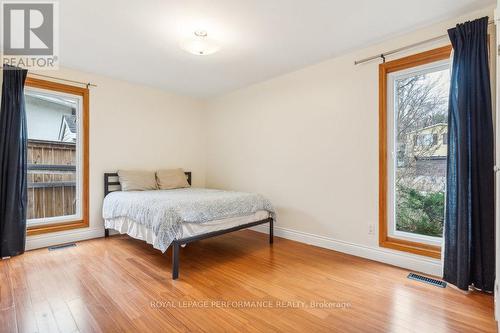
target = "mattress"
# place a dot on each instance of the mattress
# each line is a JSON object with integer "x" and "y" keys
{"x": 164, "y": 211}
{"x": 127, "y": 226}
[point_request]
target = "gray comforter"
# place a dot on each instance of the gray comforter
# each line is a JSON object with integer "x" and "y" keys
{"x": 163, "y": 211}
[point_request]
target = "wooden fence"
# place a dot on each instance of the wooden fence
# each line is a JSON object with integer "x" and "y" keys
{"x": 51, "y": 179}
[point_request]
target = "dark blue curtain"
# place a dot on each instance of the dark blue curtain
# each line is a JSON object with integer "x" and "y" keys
{"x": 13, "y": 167}
{"x": 469, "y": 253}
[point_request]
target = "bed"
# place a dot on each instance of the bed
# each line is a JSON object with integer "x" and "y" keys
{"x": 178, "y": 217}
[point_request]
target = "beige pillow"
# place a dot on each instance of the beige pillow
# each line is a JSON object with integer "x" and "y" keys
{"x": 135, "y": 180}
{"x": 171, "y": 178}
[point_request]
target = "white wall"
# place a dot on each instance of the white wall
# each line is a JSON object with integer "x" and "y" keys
{"x": 309, "y": 141}
{"x": 133, "y": 126}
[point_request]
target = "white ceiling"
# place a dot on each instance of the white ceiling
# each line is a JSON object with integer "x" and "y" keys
{"x": 138, "y": 41}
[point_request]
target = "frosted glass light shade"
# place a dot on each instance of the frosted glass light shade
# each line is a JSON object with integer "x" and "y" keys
{"x": 200, "y": 44}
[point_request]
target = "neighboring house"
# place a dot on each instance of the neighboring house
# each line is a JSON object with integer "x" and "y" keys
{"x": 429, "y": 148}
{"x": 44, "y": 115}
{"x": 67, "y": 131}
{"x": 430, "y": 141}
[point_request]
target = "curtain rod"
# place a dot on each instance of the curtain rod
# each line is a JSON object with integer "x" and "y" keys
{"x": 88, "y": 84}
{"x": 385, "y": 54}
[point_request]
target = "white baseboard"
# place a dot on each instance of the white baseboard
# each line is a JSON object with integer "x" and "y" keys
{"x": 46, "y": 240}
{"x": 400, "y": 259}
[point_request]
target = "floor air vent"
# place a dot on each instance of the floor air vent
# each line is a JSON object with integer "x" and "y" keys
{"x": 63, "y": 246}
{"x": 434, "y": 282}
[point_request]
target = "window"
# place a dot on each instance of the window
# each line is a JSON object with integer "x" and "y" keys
{"x": 413, "y": 118}
{"x": 445, "y": 138}
{"x": 425, "y": 140}
{"x": 57, "y": 119}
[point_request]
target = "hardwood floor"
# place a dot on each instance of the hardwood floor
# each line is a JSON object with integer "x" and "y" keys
{"x": 124, "y": 285}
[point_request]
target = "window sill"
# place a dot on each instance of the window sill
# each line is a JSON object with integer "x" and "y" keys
{"x": 55, "y": 227}
{"x": 411, "y": 247}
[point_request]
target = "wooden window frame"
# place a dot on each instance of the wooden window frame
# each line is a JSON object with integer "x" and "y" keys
{"x": 84, "y": 94}
{"x": 385, "y": 240}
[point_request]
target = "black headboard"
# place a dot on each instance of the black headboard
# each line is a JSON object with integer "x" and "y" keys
{"x": 112, "y": 184}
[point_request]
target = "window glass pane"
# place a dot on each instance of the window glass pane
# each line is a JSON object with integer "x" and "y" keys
{"x": 52, "y": 155}
{"x": 421, "y": 118}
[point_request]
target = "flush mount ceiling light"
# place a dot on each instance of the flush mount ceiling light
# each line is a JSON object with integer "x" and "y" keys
{"x": 200, "y": 44}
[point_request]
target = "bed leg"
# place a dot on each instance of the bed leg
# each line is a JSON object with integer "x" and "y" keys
{"x": 106, "y": 232}
{"x": 175, "y": 260}
{"x": 271, "y": 231}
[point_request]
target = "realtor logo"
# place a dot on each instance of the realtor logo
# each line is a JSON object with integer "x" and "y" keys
{"x": 30, "y": 34}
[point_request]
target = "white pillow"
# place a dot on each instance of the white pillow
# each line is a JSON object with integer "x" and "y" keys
{"x": 136, "y": 180}
{"x": 171, "y": 178}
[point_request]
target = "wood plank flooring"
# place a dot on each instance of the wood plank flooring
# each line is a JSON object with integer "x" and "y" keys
{"x": 236, "y": 282}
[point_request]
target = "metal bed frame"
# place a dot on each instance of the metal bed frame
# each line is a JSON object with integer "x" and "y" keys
{"x": 114, "y": 185}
